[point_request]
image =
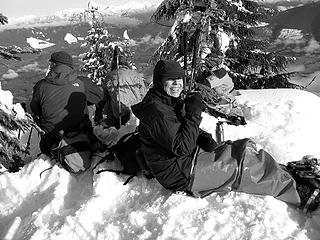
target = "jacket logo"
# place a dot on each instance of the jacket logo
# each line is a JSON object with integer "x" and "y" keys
{"x": 76, "y": 84}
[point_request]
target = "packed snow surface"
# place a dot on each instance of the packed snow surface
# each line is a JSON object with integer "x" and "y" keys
{"x": 98, "y": 206}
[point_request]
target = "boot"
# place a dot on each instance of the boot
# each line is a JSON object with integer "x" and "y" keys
{"x": 306, "y": 173}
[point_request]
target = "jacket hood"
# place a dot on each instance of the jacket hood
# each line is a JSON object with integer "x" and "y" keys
{"x": 154, "y": 95}
{"x": 61, "y": 75}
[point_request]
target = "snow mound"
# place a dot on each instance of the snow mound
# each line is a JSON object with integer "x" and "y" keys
{"x": 98, "y": 206}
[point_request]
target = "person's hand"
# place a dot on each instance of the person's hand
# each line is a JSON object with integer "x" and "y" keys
{"x": 193, "y": 103}
{"x": 206, "y": 142}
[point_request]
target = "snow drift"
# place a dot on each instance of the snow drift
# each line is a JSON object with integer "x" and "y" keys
{"x": 98, "y": 206}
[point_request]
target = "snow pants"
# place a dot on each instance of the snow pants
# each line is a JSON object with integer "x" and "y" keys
{"x": 238, "y": 166}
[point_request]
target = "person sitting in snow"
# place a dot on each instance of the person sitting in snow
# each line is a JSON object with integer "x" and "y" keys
{"x": 132, "y": 90}
{"x": 59, "y": 101}
{"x": 182, "y": 157}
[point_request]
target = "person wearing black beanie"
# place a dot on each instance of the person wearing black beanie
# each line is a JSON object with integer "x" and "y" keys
{"x": 59, "y": 101}
{"x": 169, "y": 126}
{"x": 182, "y": 157}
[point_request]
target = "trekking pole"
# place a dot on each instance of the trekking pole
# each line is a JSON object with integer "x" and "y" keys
{"x": 28, "y": 142}
{"x": 185, "y": 60}
{"x": 194, "y": 58}
{"x": 116, "y": 52}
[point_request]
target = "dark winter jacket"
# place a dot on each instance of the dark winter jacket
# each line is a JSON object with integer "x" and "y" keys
{"x": 168, "y": 138}
{"x": 59, "y": 100}
{"x": 95, "y": 96}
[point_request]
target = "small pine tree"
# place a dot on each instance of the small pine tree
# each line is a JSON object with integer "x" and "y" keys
{"x": 198, "y": 33}
{"x": 101, "y": 44}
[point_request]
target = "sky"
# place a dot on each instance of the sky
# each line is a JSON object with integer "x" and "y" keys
{"x": 59, "y": 206}
{"x": 18, "y": 8}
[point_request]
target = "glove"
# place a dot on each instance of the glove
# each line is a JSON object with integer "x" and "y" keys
{"x": 48, "y": 141}
{"x": 206, "y": 142}
{"x": 193, "y": 103}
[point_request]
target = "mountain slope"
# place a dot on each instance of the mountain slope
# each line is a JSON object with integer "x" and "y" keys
{"x": 305, "y": 18}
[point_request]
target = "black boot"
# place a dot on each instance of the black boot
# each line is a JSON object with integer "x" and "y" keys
{"x": 307, "y": 176}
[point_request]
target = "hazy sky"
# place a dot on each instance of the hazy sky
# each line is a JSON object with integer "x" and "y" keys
{"x": 19, "y": 8}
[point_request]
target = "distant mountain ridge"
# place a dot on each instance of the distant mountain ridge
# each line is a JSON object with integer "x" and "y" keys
{"x": 82, "y": 14}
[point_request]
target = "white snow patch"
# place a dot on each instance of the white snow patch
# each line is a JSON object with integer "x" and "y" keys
{"x": 38, "y": 43}
{"x": 10, "y": 74}
{"x": 292, "y": 34}
{"x": 69, "y": 38}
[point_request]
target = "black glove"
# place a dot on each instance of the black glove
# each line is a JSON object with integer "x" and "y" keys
{"x": 206, "y": 142}
{"x": 193, "y": 103}
{"x": 48, "y": 141}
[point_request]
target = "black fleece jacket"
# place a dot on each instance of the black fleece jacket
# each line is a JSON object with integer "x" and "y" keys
{"x": 168, "y": 136}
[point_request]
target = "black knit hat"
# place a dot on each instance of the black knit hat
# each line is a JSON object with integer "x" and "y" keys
{"x": 166, "y": 69}
{"x": 62, "y": 57}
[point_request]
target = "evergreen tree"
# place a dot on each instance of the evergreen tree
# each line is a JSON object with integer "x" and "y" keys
{"x": 200, "y": 30}
{"x": 11, "y": 150}
{"x": 101, "y": 44}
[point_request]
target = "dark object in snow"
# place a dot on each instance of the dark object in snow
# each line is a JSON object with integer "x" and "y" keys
{"x": 306, "y": 172}
{"x": 73, "y": 152}
{"x": 127, "y": 151}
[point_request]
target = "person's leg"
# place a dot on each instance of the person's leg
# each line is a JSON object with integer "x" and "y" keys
{"x": 239, "y": 167}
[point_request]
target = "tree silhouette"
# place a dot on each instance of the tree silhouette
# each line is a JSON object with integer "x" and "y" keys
{"x": 208, "y": 33}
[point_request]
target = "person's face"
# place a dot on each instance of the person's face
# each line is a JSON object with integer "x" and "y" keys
{"x": 50, "y": 67}
{"x": 173, "y": 87}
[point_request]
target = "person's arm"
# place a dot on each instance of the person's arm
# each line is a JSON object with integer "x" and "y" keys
{"x": 179, "y": 137}
{"x": 98, "y": 116}
{"x": 205, "y": 141}
{"x": 94, "y": 93}
{"x": 35, "y": 103}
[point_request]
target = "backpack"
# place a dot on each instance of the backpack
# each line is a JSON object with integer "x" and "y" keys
{"x": 73, "y": 152}
{"x": 128, "y": 151}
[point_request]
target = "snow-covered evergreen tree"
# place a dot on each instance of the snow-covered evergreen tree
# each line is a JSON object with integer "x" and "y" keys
{"x": 101, "y": 44}
{"x": 13, "y": 122}
{"x": 211, "y": 32}
{"x": 11, "y": 150}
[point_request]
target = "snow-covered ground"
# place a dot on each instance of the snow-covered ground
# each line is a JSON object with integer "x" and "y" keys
{"x": 98, "y": 206}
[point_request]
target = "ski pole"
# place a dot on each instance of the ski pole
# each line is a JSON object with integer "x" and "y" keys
{"x": 194, "y": 58}
{"x": 185, "y": 60}
{"x": 116, "y": 49}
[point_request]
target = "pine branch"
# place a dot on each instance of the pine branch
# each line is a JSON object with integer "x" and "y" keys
{"x": 10, "y": 52}
{"x": 10, "y": 146}
{"x": 3, "y": 19}
{"x": 11, "y": 123}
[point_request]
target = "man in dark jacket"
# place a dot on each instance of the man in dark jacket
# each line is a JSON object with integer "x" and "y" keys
{"x": 169, "y": 133}
{"x": 59, "y": 101}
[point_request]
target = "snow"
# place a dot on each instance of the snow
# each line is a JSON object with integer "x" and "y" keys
{"x": 98, "y": 206}
{"x": 38, "y": 43}
{"x": 69, "y": 38}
